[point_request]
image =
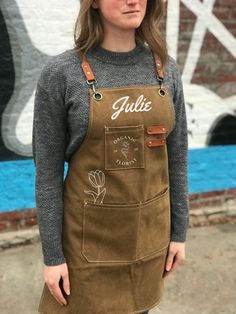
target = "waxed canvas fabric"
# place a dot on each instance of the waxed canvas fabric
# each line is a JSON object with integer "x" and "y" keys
{"x": 116, "y": 220}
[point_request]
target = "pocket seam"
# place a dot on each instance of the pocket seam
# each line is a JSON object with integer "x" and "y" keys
{"x": 136, "y": 206}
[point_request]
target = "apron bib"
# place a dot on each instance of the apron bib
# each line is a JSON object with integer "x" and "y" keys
{"x": 116, "y": 219}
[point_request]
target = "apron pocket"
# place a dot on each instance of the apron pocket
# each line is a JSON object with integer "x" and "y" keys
{"x": 110, "y": 232}
{"x": 124, "y": 147}
{"x": 125, "y": 233}
{"x": 154, "y": 227}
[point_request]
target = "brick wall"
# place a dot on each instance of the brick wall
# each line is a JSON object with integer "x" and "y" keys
{"x": 205, "y": 209}
{"x": 216, "y": 65}
{"x": 212, "y": 207}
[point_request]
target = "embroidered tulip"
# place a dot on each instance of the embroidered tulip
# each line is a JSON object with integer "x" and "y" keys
{"x": 97, "y": 180}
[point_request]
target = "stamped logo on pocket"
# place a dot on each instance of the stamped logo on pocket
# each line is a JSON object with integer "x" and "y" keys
{"x": 124, "y": 147}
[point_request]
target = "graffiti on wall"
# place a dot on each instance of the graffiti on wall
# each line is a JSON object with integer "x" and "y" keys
{"x": 211, "y": 119}
{"x": 25, "y": 47}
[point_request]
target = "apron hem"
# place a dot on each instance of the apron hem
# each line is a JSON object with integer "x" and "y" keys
{"x": 147, "y": 308}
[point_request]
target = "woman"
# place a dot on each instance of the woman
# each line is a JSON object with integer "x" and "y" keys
{"x": 113, "y": 108}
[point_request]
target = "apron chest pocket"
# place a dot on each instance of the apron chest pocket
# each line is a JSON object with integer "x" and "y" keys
{"x": 125, "y": 233}
{"x": 124, "y": 147}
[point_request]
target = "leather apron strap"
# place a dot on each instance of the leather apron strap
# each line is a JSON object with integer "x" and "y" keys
{"x": 91, "y": 80}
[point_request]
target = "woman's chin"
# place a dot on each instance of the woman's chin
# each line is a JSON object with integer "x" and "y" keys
{"x": 133, "y": 25}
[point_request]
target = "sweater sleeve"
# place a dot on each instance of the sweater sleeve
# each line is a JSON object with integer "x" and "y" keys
{"x": 177, "y": 145}
{"x": 48, "y": 144}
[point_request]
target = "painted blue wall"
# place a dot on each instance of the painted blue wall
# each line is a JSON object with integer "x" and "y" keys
{"x": 211, "y": 168}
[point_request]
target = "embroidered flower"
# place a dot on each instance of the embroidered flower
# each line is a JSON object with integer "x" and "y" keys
{"x": 97, "y": 180}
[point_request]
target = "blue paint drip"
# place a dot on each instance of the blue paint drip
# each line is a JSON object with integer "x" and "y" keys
{"x": 210, "y": 169}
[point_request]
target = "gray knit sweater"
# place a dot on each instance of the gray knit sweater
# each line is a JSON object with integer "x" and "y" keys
{"x": 61, "y": 110}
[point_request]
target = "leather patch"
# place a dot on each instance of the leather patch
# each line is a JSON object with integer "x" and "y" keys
{"x": 155, "y": 142}
{"x": 156, "y": 129}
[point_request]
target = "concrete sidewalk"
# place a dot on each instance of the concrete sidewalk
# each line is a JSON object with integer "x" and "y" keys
{"x": 204, "y": 284}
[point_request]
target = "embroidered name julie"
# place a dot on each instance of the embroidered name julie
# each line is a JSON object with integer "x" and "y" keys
{"x": 123, "y": 105}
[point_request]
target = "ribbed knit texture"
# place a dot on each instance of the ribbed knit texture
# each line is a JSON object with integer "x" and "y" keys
{"x": 61, "y": 112}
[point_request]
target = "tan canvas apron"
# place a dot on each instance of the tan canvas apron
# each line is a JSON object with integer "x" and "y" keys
{"x": 116, "y": 224}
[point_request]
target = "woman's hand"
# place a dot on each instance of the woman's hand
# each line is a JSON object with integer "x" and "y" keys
{"x": 52, "y": 276}
{"x": 176, "y": 255}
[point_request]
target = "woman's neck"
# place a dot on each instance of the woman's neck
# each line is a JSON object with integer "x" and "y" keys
{"x": 119, "y": 41}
